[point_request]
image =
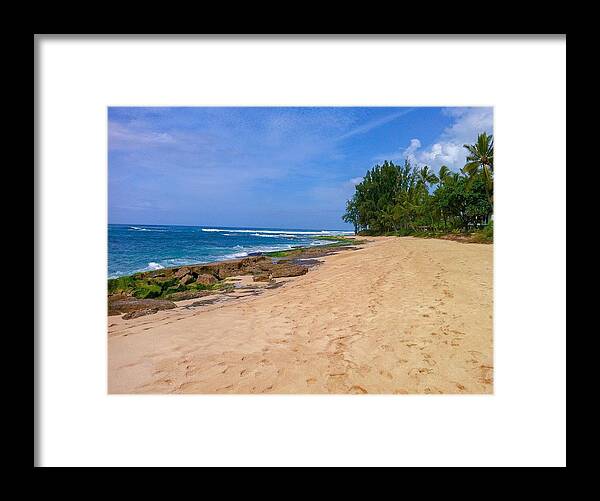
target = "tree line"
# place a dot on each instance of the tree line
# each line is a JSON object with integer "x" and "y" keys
{"x": 405, "y": 199}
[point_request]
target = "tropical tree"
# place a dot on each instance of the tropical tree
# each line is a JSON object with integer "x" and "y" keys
{"x": 351, "y": 215}
{"x": 444, "y": 174}
{"x": 402, "y": 199}
{"x": 480, "y": 161}
{"x": 426, "y": 177}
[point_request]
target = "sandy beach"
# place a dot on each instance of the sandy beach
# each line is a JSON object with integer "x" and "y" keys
{"x": 395, "y": 316}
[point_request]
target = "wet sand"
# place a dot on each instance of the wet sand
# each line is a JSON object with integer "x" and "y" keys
{"x": 396, "y": 316}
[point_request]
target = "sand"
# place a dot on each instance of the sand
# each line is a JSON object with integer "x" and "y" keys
{"x": 397, "y": 316}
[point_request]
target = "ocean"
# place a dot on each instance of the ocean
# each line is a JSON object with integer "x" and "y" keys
{"x": 134, "y": 248}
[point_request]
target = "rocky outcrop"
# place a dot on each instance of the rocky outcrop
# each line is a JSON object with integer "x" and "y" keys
{"x": 182, "y": 295}
{"x": 208, "y": 274}
{"x": 206, "y": 279}
{"x": 139, "y": 313}
{"x": 179, "y": 272}
{"x": 286, "y": 269}
{"x": 125, "y": 304}
{"x": 188, "y": 278}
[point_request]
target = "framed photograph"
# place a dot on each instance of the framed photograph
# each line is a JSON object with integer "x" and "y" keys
{"x": 300, "y": 251}
{"x": 308, "y": 272}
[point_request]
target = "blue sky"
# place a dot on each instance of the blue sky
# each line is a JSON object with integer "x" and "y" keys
{"x": 267, "y": 167}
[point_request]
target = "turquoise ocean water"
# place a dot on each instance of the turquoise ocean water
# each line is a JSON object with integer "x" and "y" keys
{"x": 133, "y": 248}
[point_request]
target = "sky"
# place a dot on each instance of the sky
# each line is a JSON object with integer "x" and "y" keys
{"x": 268, "y": 167}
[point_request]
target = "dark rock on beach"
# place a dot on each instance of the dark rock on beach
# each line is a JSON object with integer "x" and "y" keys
{"x": 125, "y": 304}
{"x": 157, "y": 289}
{"x": 139, "y": 313}
{"x": 188, "y": 278}
{"x": 285, "y": 269}
{"x": 182, "y": 295}
{"x": 251, "y": 265}
{"x": 206, "y": 279}
{"x": 178, "y": 273}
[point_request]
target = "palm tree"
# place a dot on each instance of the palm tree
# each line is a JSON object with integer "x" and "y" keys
{"x": 481, "y": 161}
{"x": 444, "y": 174}
{"x": 425, "y": 177}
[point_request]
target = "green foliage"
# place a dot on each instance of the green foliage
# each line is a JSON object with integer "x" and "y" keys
{"x": 121, "y": 285}
{"x": 480, "y": 162}
{"x": 146, "y": 290}
{"x": 278, "y": 253}
{"x": 486, "y": 235}
{"x": 408, "y": 200}
{"x": 175, "y": 288}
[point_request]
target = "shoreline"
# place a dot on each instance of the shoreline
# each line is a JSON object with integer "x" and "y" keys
{"x": 200, "y": 250}
{"x": 146, "y": 292}
{"x": 396, "y": 315}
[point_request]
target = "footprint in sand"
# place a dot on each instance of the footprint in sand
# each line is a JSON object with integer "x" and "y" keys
{"x": 420, "y": 371}
{"x": 428, "y": 360}
{"x": 486, "y": 374}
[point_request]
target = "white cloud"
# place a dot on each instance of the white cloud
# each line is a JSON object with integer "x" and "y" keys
{"x": 448, "y": 149}
{"x": 409, "y": 153}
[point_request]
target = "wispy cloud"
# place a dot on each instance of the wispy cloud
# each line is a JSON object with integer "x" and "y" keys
{"x": 373, "y": 124}
{"x": 121, "y": 136}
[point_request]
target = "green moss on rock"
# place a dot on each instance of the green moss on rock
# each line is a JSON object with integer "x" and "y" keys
{"x": 145, "y": 290}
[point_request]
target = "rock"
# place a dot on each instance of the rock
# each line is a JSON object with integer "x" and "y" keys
{"x": 125, "y": 304}
{"x": 251, "y": 265}
{"x": 180, "y": 296}
{"x": 262, "y": 277}
{"x": 139, "y": 313}
{"x": 186, "y": 279}
{"x": 182, "y": 272}
{"x": 231, "y": 268}
{"x": 287, "y": 270}
{"x": 206, "y": 279}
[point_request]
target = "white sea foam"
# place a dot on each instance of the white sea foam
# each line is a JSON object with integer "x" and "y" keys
{"x": 137, "y": 228}
{"x": 235, "y": 255}
{"x": 155, "y": 266}
{"x": 280, "y": 232}
{"x": 252, "y": 250}
{"x": 275, "y": 235}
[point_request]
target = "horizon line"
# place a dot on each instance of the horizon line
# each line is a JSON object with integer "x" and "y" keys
{"x": 220, "y": 226}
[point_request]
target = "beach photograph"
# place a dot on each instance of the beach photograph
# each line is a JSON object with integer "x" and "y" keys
{"x": 300, "y": 250}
